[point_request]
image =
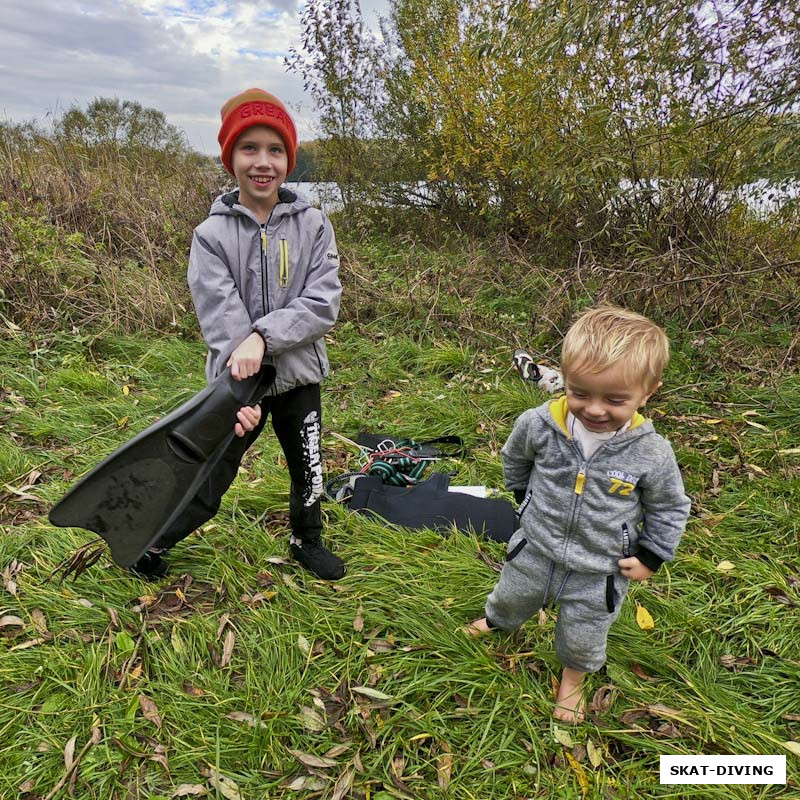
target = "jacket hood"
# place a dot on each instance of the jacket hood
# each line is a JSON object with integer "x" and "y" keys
{"x": 558, "y": 417}
{"x": 288, "y": 203}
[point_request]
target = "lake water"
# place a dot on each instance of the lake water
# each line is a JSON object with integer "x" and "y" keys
{"x": 761, "y": 197}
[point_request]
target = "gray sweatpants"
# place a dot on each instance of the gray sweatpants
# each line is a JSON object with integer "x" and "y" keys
{"x": 589, "y": 603}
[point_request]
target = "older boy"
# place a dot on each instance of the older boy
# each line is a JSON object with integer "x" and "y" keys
{"x": 263, "y": 273}
{"x": 602, "y": 497}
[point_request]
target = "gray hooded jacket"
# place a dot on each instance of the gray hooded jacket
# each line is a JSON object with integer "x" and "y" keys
{"x": 627, "y": 499}
{"x": 281, "y": 281}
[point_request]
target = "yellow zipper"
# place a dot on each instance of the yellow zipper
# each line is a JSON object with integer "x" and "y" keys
{"x": 579, "y": 481}
{"x": 283, "y": 277}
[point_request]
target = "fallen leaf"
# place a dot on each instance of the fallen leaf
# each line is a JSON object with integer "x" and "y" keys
{"x": 637, "y": 670}
{"x": 757, "y": 425}
{"x": 580, "y": 773}
{"x": 26, "y": 645}
{"x": 373, "y": 694}
{"x": 277, "y": 560}
{"x": 223, "y": 621}
{"x": 343, "y": 783}
{"x": 488, "y": 764}
{"x": 9, "y": 619}
{"x": 725, "y": 566}
{"x": 562, "y": 737}
{"x": 192, "y": 690}
{"x": 779, "y": 595}
{"x": 225, "y": 786}
{"x": 444, "y": 766}
{"x": 39, "y": 620}
{"x": 150, "y": 710}
{"x": 189, "y": 789}
{"x": 595, "y": 753}
{"x": 307, "y": 783}
{"x": 309, "y": 760}
{"x": 336, "y": 750}
{"x": 303, "y": 644}
{"x": 243, "y": 716}
{"x": 793, "y": 747}
{"x": 730, "y": 661}
{"x": 27, "y": 786}
{"x": 643, "y": 618}
{"x": 69, "y": 753}
{"x": 227, "y": 648}
{"x": 358, "y": 622}
{"x": 312, "y": 721}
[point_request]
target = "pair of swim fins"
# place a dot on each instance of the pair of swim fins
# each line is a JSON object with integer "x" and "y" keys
{"x": 134, "y": 495}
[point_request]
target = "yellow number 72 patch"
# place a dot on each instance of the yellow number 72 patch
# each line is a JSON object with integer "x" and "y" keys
{"x": 622, "y": 488}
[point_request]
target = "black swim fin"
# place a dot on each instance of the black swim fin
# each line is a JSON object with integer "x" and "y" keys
{"x": 133, "y": 496}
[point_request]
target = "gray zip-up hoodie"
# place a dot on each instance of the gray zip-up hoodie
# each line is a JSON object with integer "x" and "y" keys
{"x": 627, "y": 499}
{"x": 280, "y": 280}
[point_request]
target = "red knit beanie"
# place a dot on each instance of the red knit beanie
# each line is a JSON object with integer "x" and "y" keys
{"x": 255, "y": 107}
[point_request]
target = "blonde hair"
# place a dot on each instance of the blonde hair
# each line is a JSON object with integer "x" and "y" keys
{"x": 603, "y": 336}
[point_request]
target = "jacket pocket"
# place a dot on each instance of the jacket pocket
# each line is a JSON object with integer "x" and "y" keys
{"x": 517, "y": 549}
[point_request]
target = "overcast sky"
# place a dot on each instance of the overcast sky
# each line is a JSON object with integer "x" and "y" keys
{"x": 183, "y": 57}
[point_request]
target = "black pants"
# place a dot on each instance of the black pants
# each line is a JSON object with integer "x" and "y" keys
{"x": 297, "y": 422}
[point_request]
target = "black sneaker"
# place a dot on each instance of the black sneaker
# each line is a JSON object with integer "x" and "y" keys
{"x": 150, "y": 566}
{"x": 314, "y": 556}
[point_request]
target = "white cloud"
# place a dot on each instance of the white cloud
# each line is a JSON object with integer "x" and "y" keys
{"x": 183, "y": 57}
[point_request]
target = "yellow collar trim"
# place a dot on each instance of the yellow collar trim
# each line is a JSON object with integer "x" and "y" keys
{"x": 559, "y": 411}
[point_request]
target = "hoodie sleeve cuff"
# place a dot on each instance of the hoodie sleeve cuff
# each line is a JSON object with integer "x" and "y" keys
{"x": 649, "y": 559}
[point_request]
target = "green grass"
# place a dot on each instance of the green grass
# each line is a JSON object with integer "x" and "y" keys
{"x": 464, "y": 719}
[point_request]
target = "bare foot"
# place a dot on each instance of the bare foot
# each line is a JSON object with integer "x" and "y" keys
{"x": 570, "y": 704}
{"x": 477, "y": 628}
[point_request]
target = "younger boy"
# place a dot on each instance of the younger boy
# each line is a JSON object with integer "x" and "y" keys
{"x": 263, "y": 273}
{"x": 602, "y": 500}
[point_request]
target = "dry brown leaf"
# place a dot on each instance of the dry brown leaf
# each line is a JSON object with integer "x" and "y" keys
{"x": 39, "y": 620}
{"x": 192, "y": 690}
{"x": 190, "y": 790}
{"x": 312, "y": 720}
{"x": 303, "y": 644}
{"x": 69, "y": 753}
{"x": 488, "y": 764}
{"x": 601, "y": 700}
{"x": 343, "y": 783}
{"x": 224, "y": 785}
{"x": 249, "y": 719}
{"x": 307, "y": 783}
{"x": 358, "y": 622}
{"x": 730, "y": 661}
{"x": 310, "y": 760}
{"x": 638, "y": 671}
{"x": 27, "y": 786}
{"x": 9, "y": 619}
{"x": 444, "y": 766}
{"x": 227, "y": 648}
{"x": 223, "y": 621}
{"x": 150, "y": 710}
{"x": 337, "y": 750}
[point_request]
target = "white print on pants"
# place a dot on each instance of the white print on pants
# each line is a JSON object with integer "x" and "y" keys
{"x": 312, "y": 458}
